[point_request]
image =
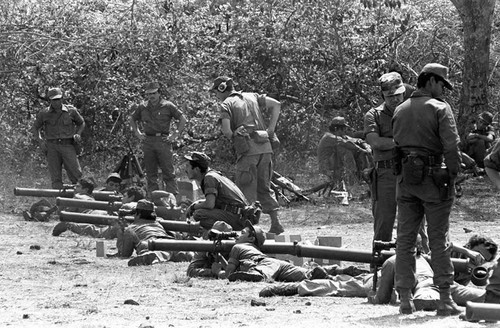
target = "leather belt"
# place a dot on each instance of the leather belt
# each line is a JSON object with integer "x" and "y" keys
{"x": 157, "y": 134}
{"x": 61, "y": 141}
{"x": 231, "y": 208}
{"x": 385, "y": 164}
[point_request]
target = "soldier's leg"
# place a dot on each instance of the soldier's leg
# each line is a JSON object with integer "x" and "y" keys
{"x": 54, "y": 163}
{"x": 384, "y": 207}
{"x": 207, "y": 218}
{"x": 71, "y": 163}
{"x": 150, "y": 164}
{"x": 164, "y": 150}
{"x": 246, "y": 176}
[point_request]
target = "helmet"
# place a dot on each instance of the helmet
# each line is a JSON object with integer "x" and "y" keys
{"x": 260, "y": 236}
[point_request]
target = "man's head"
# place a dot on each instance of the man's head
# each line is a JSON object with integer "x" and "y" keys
{"x": 392, "y": 88}
{"x": 84, "y": 186}
{"x": 484, "y": 119}
{"x": 252, "y": 234}
{"x": 54, "y": 95}
{"x": 222, "y": 86}
{"x": 133, "y": 194}
{"x": 434, "y": 77}
{"x": 151, "y": 90}
{"x": 113, "y": 182}
{"x": 484, "y": 245}
{"x": 338, "y": 124}
{"x": 145, "y": 210}
{"x": 196, "y": 165}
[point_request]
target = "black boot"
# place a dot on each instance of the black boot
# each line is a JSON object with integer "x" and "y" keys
{"x": 446, "y": 306}
{"x": 406, "y": 298}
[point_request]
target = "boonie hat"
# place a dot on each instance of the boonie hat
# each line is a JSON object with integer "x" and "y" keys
{"x": 151, "y": 87}
{"x": 339, "y": 121}
{"x": 222, "y": 226}
{"x": 260, "y": 236}
{"x": 439, "y": 70}
{"x": 54, "y": 93}
{"x": 218, "y": 83}
{"x": 487, "y": 117}
{"x": 114, "y": 177}
{"x": 145, "y": 205}
{"x": 198, "y": 157}
{"x": 391, "y": 84}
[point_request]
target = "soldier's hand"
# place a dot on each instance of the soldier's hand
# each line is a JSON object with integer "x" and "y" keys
{"x": 77, "y": 137}
{"x": 190, "y": 210}
{"x": 476, "y": 259}
{"x": 141, "y": 136}
{"x": 216, "y": 268}
{"x": 43, "y": 145}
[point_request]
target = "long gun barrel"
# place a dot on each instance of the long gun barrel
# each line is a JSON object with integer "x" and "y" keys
{"x": 489, "y": 312}
{"x": 66, "y": 193}
{"x": 88, "y": 204}
{"x": 324, "y": 252}
{"x": 191, "y": 228}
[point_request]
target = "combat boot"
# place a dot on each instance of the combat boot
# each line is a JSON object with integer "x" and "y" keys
{"x": 60, "y": 228}
{"x": 286, "y": 289}
{"x": 446, "y": 306}
{"x": 276, "y": 226}
{"x": 406, "y": 306}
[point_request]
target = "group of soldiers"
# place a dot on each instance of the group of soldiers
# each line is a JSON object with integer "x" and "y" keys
{"x": 412, "y": 176}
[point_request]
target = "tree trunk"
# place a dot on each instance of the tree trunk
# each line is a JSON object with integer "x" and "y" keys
{"x": 477, "y": 17}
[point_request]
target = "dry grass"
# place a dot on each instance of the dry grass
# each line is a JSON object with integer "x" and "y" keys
{"x": 65, "y": 285}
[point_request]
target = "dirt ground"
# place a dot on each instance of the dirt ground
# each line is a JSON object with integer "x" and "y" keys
{"x": 50, "y": 281}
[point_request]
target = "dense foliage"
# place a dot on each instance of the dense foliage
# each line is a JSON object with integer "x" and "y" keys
{"x": 319, "y": 58}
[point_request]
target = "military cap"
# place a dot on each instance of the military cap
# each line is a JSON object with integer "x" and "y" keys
{"x": 197, "y": 157}
{"x": 221, "y": 83}
{"x": 257, "y": 232}
{"x": 339, "y": 121}
{"x": 391, "y": 84}
{"x": 145, "y": 205}
{"x": 54, "y": 93}
{"x": 486, "y": 117}
{"x": 114, "y": 177}
{"x": 439, "y": 70}
{"x": 151, "y": 87}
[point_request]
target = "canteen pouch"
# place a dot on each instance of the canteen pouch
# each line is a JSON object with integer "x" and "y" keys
{"x": 413, "y": 168}
{"x": 260, "y": 136}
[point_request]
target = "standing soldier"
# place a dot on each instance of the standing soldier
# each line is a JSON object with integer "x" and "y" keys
{"x": 155, "y": 114}
{"x": 62, "y": 127}
{"x": 378, "y": 132}
{"x": 427, "y": 141}
{"x": 242, "y": 122}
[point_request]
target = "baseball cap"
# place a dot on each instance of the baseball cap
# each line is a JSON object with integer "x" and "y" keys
{"x": 197, "y": 157}
{"x": 439, "y": 70}
{"x": 114, "y": 177}
{"x": 339, "y": 121}
{"x": 145, "y": 205}
{"x": 151, "y": 87}
{"x": 391, "y": 84}
{"x": 54, "y": 93}
{"x": 257, "y": 231}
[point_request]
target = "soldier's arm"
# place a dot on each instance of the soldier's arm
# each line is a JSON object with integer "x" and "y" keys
{"x": 378, "y": 142}
{"x": 275, "y": 107}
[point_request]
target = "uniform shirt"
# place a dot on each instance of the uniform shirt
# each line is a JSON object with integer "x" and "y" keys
{"x": 225, "y": 191}
{"x": 487, "y": 131}
{"x": 140, "y": 230}
{"x": 427, "y": 124}
{"x": 244, "y": 251}
{"x": 334, "y": 151}
{"x": 492, "y": 160}
{"x": 243, "y": 109}
{"x": 379, "y": 120}
{"x": 58, "y": 124}
{"x": 156, "y": 118}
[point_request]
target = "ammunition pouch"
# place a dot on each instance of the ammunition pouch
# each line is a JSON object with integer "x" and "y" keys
{"x": 260, "y": 136}
{"x": 442, "y": 180}
{"x": 413, "y": 169}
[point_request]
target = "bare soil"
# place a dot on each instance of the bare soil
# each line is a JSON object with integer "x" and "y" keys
{"x": 50, "y": 281}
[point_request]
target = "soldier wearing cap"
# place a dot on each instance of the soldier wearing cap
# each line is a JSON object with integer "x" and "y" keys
{"x": 156, "y": 115}
{"x": 113, "y": 182}
{"x": 62, "y": 127}
{"x": 337, "y": 152}
{"x": 144, "y": 228}
{"x": 224, "y": 201}
{"x": 492, "y": 164}
{"x": 427, "y": 140}
{"x": 378, "y": 134}
{"x": 480, "y": 139}
{"x": 243, "y": 123}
